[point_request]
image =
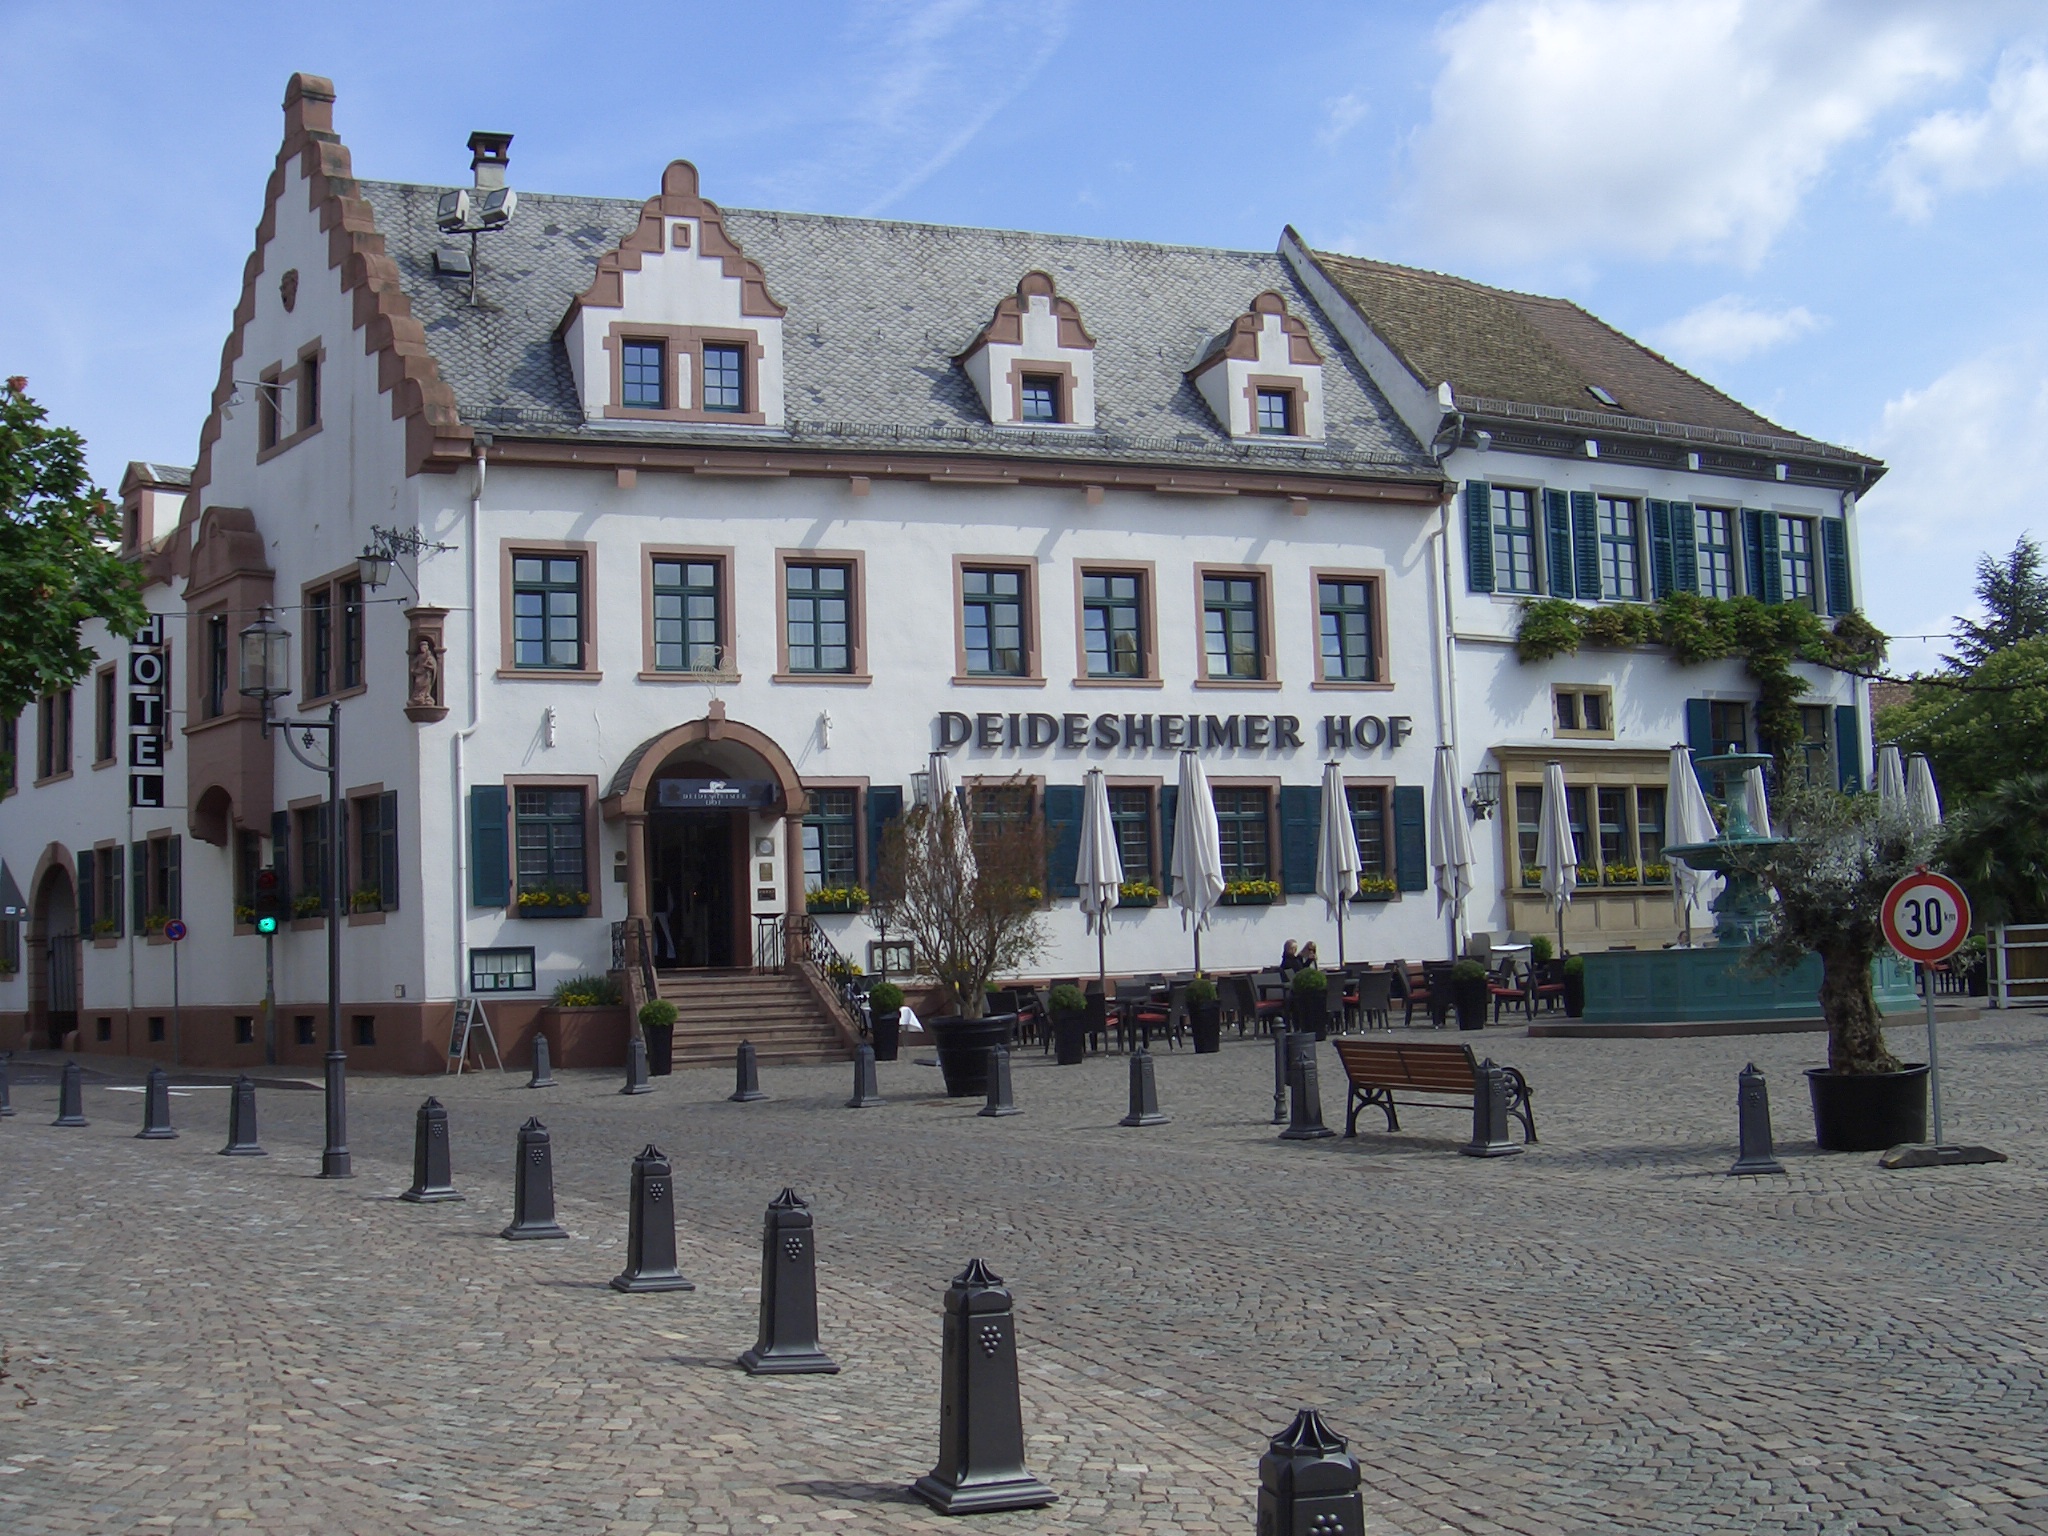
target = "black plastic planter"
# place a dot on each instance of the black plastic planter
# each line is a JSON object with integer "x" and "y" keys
{"x": 1205, "y": 1023}
{"x": 885, "y": 1032}
{"x": 1574, "y": 994}
{"x": 1868, "y": 1111}
{"x": 1471, "y": 998}
{"x": 1311, "y": 1013}
{"x": 661, "y": 1048}
{"x": 963, "y": 1046}
{"x": 1070, "y": 1038}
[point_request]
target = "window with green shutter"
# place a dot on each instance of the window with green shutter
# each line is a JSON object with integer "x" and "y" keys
{"x": 1834, "y": 549}
{"x": 1478, "y": 536}
{"x": 1514, "y": 539}
{"x": 1557, "y": 543}
{"x": 1586, "y": 545}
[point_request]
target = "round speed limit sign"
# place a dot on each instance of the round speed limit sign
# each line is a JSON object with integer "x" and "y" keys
{"x": 1926, "y": 916}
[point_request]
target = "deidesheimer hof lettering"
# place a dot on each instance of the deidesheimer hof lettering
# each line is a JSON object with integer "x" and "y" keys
{"x": 993, "y": 732}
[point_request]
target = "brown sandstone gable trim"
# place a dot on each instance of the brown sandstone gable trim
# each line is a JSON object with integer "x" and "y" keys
{"x": 1243, "y": 345}
{"x": 1006, "y": 326}
{"x": 678, "y": 199}
{"x": 436, "y": 438}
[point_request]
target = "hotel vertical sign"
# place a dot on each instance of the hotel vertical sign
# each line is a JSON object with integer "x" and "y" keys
{"x": 148, "y": 713}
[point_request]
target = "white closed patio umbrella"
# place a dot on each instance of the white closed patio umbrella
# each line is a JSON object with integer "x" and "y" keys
{"x": 1337, "y": 860}
{"x": 946, "y": 802}
{"x": 1755, "y": 803}
{"x": 1450, "y": 841}
{"x": 1891, "y": 778}
{"x": 1692, "y": 821}
{"x": 1197, "y": 851}
{"x": 1099, "y": 871}
{"x": 1557, "y": 851}
{"x": 1923, "y": 805}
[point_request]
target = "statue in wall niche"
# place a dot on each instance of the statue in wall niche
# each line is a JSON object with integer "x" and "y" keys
{"x": 425, "y": 673}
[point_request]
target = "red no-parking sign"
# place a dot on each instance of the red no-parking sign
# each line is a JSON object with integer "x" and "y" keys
{"x": 1926, "y": 916}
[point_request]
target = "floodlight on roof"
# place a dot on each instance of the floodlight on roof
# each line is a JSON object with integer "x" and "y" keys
{"x": 451, "y": 213}
{"x": 497, "y": 207}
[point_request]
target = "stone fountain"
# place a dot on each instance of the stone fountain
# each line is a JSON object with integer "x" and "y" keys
{"x": 1714, "y": 988}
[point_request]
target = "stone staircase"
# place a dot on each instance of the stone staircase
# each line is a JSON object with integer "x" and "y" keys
{"x": 777, "y": 1010}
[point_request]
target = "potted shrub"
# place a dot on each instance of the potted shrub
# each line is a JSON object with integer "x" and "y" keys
{"x": 1137, "y": 893}
{"x": 586, "y": 1022}
{"x": 1375, "y": 888}
{"x": 1575, "y": 986}
{"x": 971, "y": 906}
{"x": 1840, "y": 854}
{"x": 1540, "y": 952}
{"x": 1311, "y": 1005}
{"x": 1069, "y": 1024}
{"x": 885, "y": 1019}
{"x": 658, "y": 1028}
{"x": 1205, "y": 1016}
{"x": 1469, "y": 994}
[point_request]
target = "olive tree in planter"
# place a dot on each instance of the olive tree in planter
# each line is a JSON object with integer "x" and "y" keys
{"x": 1841, "y": 853}
{"x": 970, "y": 903}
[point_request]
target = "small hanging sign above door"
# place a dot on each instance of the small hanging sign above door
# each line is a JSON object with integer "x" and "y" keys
{"x": 714, "y": 794}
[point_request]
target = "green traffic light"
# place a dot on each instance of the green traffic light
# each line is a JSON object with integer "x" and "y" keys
{"x": 266, "y": 925}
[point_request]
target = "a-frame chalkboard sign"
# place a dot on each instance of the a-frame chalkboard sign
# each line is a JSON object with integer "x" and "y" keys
{"x": 471, "y": 1029}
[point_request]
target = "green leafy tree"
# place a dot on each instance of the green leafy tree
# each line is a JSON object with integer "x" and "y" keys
{"x": 1998, "y": 848}
{"x": 59, "y": 559}
{"x": 1978, "y": 736}
{"x": 2014, "y": 592}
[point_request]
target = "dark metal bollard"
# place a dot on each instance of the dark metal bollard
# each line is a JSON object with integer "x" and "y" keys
{"x": 1001, "y": 1100}
{"x": 1308, "y": 1482}
{"x": 533, "y": 1186}
{"x": 1489, "y": 1114}
{"x": 242, "y": 1121}
{"x": 543, "y": 1069}
{"x": 747, "y": 1075}
{"x": 651, "y": 1229}
{"x": 788, "y": 1340}
{"x": 71, "y": 1097}
{"x": 431, "y": 1180}
{"x": 6, "y": 1106}
{"x": 1305, "y": 1090}
{"x": 981, "y": 1417}
{"x": 1753, "y": 1115}
{"x": 636, "y": 1067}
{"x": 1144, "y": 1093}
{"x": 156, "y": 1108}
{"x": 1280, "y": 1059}
{"x": 867, "y": 1093}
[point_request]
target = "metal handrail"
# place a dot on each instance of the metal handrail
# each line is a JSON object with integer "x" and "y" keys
{"x": 795, "y": 941}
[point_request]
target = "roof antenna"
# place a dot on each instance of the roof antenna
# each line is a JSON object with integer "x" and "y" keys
{"x": 489, "y": 154}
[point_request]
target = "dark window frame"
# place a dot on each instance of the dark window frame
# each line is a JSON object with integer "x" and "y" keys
{"x": 1369, "y": 810}
{"x": 831, "y": 831}
{"x": 1224, "y": 617}
{"x": 1514, "y": 545}
{"x": 813, "y": 598}
{"x": 1716, "y": 539}
{"x": 1265, "y": 396}
{"x": 1132, "y": 808}
{"x": 1242, "y": 810}
{"x": 1364, "y": 631}
{"x": 685, "y": 594}
{"x": 1034, "y": 389}
{"x": 556, "y": 818}
{"x": 723, "y": 388}
{"x": 633, "y": 359}
{"x": 1102, "y": 612}
{"x": 1621, "y": 552}
{"x": 549, "y": 587}
{"x": 989, "y": 602}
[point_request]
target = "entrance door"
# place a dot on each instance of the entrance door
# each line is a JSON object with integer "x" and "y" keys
{"x": 62, "y": 971}
{"x": 691, "y": 888}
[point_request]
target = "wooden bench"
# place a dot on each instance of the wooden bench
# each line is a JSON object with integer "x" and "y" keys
{"x": 1380, "y": 1068}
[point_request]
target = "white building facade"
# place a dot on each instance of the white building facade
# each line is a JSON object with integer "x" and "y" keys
{"x": 711, "y": 525}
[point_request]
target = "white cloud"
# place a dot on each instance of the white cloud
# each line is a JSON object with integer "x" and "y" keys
{"x": 1970, "y": 151}
{"x": 1341, "y": 116}
{"x": 1728, "y": 329}
{"x": 1658, "y": 127}
{"x": 1968, "y": 455}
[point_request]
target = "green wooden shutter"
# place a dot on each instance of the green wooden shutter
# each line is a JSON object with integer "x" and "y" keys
{"x": 1834, "y": 547}
{"x": 1478, "y": 536}
{"x": 1411, "y": 841}
{"x": 1301, "y": 818}
{"x": 387, "y": 850}
{"x": 490, "y": 869}
{"x": 1848, "y": 748}
{"x": 174, "y": 880}
{"x": 1062, "y": 837}
{"x": 1169, "y": 802}
{"x": 1557, "y": 539}
{"x": 86, "y": 893}
{"x": 138, "y": 884}
{"x": 1586, "y": 545}
{"x": 885, "y": 804}
{"x": 281, "y": 857}
{"x": 1699, "y": 734}
{"x": 114, "y": 888}
{"x": 1663, "y": 573}
{"x": 1685, "y": 548}
{"x": 1760, "y": 555}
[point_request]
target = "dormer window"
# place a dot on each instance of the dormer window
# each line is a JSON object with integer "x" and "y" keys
{"x": 1041, "y": 399}
{"x": 1263, "y": 377}
{"x": 724, "y": 378}
{"x": 643, "y": 376}
{"x": 1276, "y": 413}
{"x": 1034, "y": 362}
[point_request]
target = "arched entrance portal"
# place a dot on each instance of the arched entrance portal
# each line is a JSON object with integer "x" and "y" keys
{"x": 701, "y": 802}
{"x": 52, "y": 957}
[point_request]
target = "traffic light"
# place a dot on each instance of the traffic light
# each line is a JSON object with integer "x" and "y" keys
{"x": 269, "y": 901}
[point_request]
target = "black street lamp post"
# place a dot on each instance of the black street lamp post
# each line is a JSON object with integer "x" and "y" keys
{"x": 266, "y": 676}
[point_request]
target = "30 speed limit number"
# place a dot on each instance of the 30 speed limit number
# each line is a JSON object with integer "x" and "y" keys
{"x": 1926, "y": 916}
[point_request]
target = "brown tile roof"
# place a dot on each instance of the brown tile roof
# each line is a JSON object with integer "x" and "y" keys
{"x": 1495, "y": 344}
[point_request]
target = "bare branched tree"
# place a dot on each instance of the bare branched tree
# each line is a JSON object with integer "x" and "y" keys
{"x": 967, "y": 890}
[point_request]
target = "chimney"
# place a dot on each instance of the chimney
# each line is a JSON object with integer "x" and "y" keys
{"x": 489, "y": 154}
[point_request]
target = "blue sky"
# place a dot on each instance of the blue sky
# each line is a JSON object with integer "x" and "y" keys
{"x": 1830, "y": 208}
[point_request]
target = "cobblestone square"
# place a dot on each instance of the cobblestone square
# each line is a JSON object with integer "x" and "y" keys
{"x": 1607, "y": 1334}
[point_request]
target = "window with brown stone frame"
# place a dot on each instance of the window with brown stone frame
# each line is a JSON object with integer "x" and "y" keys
{"x": 1276, "y": 413}
{"x": 105, "y": 727}
{"x": 53, "y": 735}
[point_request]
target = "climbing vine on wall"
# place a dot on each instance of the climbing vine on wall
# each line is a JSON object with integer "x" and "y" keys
{"x": 1769, "y": 637}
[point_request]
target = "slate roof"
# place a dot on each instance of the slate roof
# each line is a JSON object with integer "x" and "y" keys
{"x": 877, "y": 310}
{"x": 1498, "y": 347}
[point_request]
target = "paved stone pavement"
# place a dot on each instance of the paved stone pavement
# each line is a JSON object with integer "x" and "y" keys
{"x": 1608, "y": 1334}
